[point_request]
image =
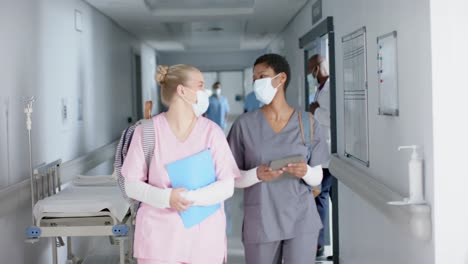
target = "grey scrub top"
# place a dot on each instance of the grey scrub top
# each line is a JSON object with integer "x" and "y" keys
{"x": 283, "y": 208}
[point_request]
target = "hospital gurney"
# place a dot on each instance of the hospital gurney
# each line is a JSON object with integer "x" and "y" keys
{"x": 84, "y": 210}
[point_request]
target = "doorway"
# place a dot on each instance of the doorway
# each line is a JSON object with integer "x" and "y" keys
{"x": 321, "y": 40}
{"x": 138, "y": 86}
{"x": 233, "y": 89}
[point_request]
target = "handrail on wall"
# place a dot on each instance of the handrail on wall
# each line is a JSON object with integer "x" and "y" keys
{"x": 414, "y": 218}
{"x": 18, "y": 194}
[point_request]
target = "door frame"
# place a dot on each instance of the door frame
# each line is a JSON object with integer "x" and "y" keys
{"x": 137, "y": 85}
{"x": 326, "y": 27}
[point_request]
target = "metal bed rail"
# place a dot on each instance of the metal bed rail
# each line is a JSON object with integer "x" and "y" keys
{"x": 47, "y": 182}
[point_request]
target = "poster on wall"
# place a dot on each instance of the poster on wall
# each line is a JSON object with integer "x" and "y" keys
{"x": 388, "y": 74}
{"x": 356, "y": 125}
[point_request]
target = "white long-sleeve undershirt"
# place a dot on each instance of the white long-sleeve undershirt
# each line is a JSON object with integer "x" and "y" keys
{"x": 148, "y": 194}
{"x": 212, "y": 194}
{"x": 160, "y": 198}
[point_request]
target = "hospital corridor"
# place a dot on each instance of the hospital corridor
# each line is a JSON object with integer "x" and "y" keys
{"x": 233, "y": 132}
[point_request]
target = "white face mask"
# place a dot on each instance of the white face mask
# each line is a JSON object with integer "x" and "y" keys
{"x": 312, "y": 81}
{"x": 217, "y": 91}
{"x": 202, "y": 103}
{"x": 264, "y": 90}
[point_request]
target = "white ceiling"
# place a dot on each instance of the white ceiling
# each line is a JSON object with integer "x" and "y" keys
{"x": 202, "y": 25}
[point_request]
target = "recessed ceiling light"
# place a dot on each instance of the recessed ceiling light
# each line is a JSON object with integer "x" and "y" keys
{"x": 215, "y": 29}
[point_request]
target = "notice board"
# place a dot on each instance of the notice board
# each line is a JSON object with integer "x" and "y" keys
{"x": 356, "y": 125}
{"x": 388, "y": 74}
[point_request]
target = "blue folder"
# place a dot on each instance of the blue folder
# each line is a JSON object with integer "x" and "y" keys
{"x": 192, "y": 173}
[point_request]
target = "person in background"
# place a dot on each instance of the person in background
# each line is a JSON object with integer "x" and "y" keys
{"x": 219, "y": 107}
{"x": 281, "y": 222}
{"x": 251, "y": 103}
{"x": 160, "y": 235}
{"x": 320, "y": 108}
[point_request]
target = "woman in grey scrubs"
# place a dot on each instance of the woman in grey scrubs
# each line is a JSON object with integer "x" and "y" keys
{"x": 281, "y": 222}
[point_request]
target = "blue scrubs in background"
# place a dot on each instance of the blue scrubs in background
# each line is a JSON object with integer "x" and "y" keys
{"x": 218, "y": 109}
{"x": 251, "y": 103}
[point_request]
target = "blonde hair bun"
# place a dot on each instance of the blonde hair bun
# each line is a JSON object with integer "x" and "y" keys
{"x": 161, "y": 74}
{"x": 169, "y": 77}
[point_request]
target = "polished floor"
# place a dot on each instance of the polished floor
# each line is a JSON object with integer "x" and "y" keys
{"x": 105, "y": 253}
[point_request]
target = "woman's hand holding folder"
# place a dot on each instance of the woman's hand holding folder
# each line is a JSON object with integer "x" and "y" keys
{"x": 178, "y": 202}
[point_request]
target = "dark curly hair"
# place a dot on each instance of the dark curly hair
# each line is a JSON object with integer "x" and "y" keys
{"x": 278, "y": 63}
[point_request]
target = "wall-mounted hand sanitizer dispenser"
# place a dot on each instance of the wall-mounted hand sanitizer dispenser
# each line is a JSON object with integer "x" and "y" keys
{"x": 415, "y": 167}
{"x": 415, "y": 173}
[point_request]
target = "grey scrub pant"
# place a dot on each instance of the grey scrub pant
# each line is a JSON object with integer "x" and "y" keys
{"x": 298, "y": 250}
{"x": 322, "y": 201}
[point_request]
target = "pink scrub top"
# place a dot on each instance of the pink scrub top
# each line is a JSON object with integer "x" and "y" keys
{"x": 160, "y": 233}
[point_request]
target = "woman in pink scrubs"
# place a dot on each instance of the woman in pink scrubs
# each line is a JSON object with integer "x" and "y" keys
{"x": 160, "y": 236}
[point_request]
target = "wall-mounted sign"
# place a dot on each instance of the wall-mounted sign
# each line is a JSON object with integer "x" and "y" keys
{"x": 316, "y": 11}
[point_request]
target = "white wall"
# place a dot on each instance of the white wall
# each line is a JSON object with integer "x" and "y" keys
{"x": 248, "y": 80}
{"x": 449, "y": 55}
{"x": 231, "y": 86}
{"x": 366, "y": 235}
{"x": 43, "y": 55}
